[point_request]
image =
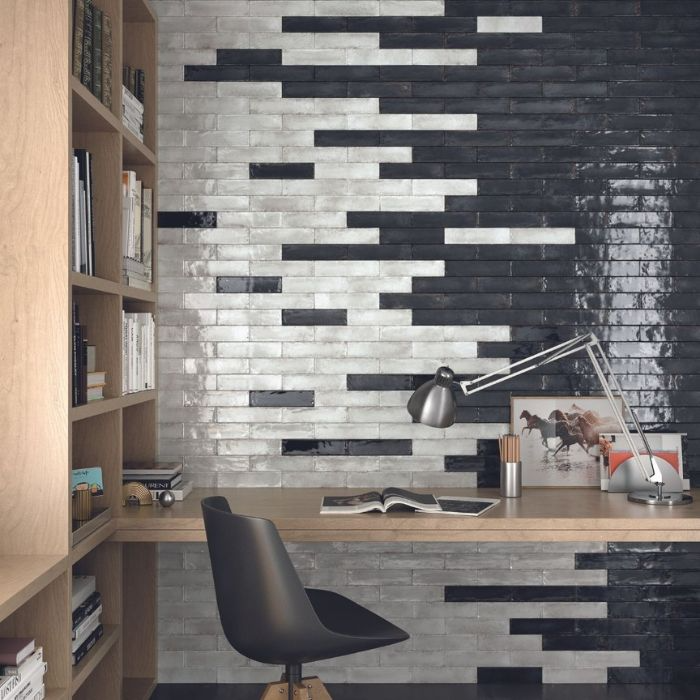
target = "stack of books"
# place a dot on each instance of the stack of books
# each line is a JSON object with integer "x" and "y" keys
{"x": 138, "y": 354}
{"x": 92, "y": 49}
{"x": 81, "y": 210}
{"x": 137, "y": 232}
{"x": 86, "y": 604}
{"x": 22, "y": 669}
{"x": 132, "y": 113}
{"x": 158, "y": 477}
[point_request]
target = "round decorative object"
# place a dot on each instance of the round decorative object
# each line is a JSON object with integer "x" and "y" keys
{"x": 166, "y": 498}
{"x": 136, "y": 494}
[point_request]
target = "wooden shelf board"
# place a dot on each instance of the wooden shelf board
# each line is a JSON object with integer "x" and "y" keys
{"x": 89, "y": 114}
{"x": 138, "y": 688}
{"x": 135, "y": 294}
{"x": 91, "y": 541}
{"x": 138, "y": 11}
{"x": 89, "y": 663}
{"x": 88, "y": 284}
{"x": 97, "y": 408}
{"x": 135, "y": 152}
{"x": 24, "y": 576}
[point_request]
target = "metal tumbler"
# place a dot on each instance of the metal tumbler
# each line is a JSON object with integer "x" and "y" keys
{"x": 511, "y": 479}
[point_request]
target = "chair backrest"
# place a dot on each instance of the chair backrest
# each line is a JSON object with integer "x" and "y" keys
{"x": 262, "y": 603}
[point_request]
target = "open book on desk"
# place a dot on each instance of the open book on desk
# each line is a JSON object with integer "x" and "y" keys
{"x": 394, "y": 499}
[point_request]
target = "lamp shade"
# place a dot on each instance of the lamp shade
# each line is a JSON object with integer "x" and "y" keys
{"x": 433, "y": 403}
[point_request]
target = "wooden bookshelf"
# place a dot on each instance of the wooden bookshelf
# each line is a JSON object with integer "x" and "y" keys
{"x": 43, "y": 437}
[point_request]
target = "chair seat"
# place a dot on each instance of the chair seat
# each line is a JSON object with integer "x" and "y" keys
{"x": 353, "y": 627}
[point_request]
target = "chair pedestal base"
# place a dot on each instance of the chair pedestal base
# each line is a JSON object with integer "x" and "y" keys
{"x": 308, "y": 689}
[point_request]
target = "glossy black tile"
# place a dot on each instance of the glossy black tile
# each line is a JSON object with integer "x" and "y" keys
{"x": 281, "y": 398}
{"x": 246, "y": 57}
{"x": 282, "y": 171}
{"x": 187, "y": 219}
{"x": 510, "y": 674}
{"x": 257, "y": 285}
{"x": 314, "y": 317}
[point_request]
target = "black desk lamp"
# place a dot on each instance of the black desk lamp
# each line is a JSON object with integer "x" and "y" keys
{"x": 434, "y": 404}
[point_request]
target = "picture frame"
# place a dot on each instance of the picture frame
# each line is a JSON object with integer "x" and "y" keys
{"x": 560, "y": 438}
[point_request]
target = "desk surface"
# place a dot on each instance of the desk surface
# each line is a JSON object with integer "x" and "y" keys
{"x": 542, "y": 515}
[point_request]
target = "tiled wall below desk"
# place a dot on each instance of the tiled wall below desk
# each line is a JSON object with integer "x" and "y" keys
{"x": 486, "y": 612}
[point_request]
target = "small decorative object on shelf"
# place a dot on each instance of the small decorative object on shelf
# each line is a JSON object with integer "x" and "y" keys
{"x": 166, "y": 498}
{"x": 136, "y": 494}
{"x": 82, "y": 504}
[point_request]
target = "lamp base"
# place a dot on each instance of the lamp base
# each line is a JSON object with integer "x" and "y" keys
{"x": 650, "y": 498}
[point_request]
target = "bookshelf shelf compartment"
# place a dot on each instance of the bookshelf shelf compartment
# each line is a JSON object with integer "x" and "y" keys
{"x": 96, "y": 408}
{"x": 135, "y": 152}
{"x": 86, "y": 666}
{"x": 96, "y": 538}
{"x": 56, "y": 694}
{"x": 89, "y": 114}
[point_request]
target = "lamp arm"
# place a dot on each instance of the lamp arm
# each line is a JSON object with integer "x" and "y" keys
{"x": 601, "y": 365}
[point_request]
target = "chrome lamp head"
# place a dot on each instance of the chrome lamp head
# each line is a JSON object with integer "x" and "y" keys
{"x": 433, "y": 403}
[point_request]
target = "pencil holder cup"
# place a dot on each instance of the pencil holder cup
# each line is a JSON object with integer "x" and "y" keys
{"x": 82, "y": 505}
{"x": 511, "y": 479}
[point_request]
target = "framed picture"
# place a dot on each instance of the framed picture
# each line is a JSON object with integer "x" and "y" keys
{"x": 560, "y": 437}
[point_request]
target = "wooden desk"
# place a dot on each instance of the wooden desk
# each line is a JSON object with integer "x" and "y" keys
{"x": 540, "y": 515}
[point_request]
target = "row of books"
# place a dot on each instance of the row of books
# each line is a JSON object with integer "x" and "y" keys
{"x": 87, "y": 382}
{"x": 137, "y": 232}
{"x": 138, "y": 351}
{"x": 82, "y": 215}
{"x": 22, "y": 669}
{"x": 158, "y": 477}
{"x": 86, "y": 606}
{"x": 93, "y": 49}
{"x": 132, "y": 113}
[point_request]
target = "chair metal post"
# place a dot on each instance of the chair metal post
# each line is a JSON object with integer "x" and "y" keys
{"x": 293, "y": 675}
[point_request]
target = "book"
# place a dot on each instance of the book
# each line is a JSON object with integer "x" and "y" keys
{"x": 28, "y": 685}
{"x": 83, "y": 587}
{"x": 393, "y": 499}
{"x": 157, "y": 484}
{"x": 107, "y": 53}
{"x": 14, "y": 650}
{"x": 88, "y": 478}
{"x": 179, "y": 494}
{"x": 78, "y": 18}
{"x": 97, "y": 53}
{"x": 151, "y": 470}
{"x": 147, "y": 232}
{"x": 27, "y": 666}
{"x": 96, "y": 378}
{"x": 90, "y": 642}
{"x": 87, "y": 628}
{"x": 389, "y": 499}
{"x": 85, "y": 609}
{"x": 86, "y": 70}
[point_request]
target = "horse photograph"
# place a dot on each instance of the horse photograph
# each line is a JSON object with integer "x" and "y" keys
{"x": 559, "y": 437}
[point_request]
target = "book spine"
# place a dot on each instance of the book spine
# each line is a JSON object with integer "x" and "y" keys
{"x": 158, "y": 484}
{"x": 87, "y": 645}
{"x": 147, "y": 231}
{"x": 78, "y": 19}
{"x": 86, "y": 71}
{"x": 107, "y": 52}
{"x": 82, "y": 627}
{"x": 140, "y": 86}
{"x": 25, "y": 666}
{"x": 97, "y": 53}
{"x": 90, "y": 214}
{"x": 76, "y": 346}
{"x": 86, "y": 608}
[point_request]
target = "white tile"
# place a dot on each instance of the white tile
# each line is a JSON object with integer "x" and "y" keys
{"x": 413, "y": 8}
{"x": 473, "y": 236}
{"x": 445, "y": 122}
{"x": 444, "y": 57}
{"x": 509, "y": 24}
{"x": 313, "y": 57}
{"x": 445, "y": 187}
{"x": 543, "y": 235}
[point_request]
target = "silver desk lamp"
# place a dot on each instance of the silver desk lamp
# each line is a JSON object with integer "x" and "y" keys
{"x": 434, "y": 404}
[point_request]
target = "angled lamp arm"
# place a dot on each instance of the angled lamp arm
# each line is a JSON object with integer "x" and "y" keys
{"x": 609, "y": 382}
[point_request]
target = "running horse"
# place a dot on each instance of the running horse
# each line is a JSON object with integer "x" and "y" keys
{"x": 545, "y": 427}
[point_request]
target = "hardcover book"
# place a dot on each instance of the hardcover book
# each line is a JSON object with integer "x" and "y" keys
{"x": 78, "y": 19}
{"x": 86, "y": 72}
{"x": 97, "y": 53}
{"x": 14, "y": 650}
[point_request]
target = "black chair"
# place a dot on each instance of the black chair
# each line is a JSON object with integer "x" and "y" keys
{"x": 266, "y": 613}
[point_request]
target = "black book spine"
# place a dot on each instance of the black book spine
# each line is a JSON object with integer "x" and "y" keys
{"x": 97, "y": 53}
{"x": 90, "y": 214}
{"x": 140, "y": 86}
{"x": 78, "y": 19}
{"x": 159, "y": 484}
{"x": 85, "y": 647}
{"x": 75, "y": 364}
{"x": 86, "y": 608}
{"x": 86, "y": 76}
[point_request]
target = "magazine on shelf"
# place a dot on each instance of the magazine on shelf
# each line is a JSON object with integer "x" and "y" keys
{"x": 395, "y": 499}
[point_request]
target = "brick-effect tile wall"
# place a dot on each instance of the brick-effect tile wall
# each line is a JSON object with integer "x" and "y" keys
{"x": 354, "y": 192}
